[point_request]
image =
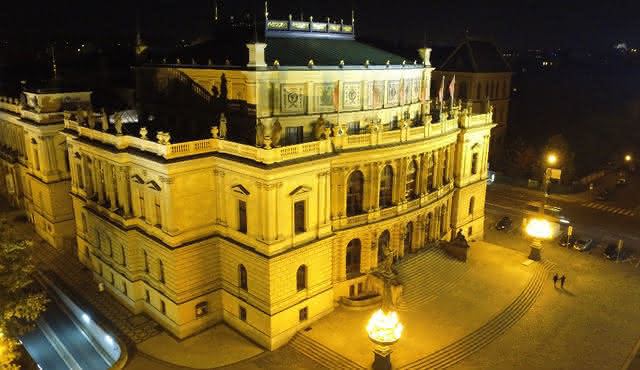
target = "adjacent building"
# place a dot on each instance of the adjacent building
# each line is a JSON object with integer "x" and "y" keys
{"x": 34, "y": 162}
{"x": 260, "y": 181}
{"x": 482, "y": 74}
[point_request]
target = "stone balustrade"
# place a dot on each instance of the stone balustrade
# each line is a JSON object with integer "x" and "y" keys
{"x": 284, "y": 153}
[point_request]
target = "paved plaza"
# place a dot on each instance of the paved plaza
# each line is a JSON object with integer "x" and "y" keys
{"x": 490, "y": 312}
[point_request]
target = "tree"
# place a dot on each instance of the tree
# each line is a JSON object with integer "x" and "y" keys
{"x": 520, "y": 159}
{"x": 21, "y": 303}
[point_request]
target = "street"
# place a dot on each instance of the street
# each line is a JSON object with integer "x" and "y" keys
{"x": 58, "y": 343}
{"x": 603, "y": 221}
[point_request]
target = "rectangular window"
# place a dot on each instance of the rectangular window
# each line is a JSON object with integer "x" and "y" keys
{"x": 243, "y": 313}
{"x": 469, "y": 232}
{"x": 66, "y": 160}
{"x": 303, "y": 314}
{"x": 201, "y": 309}
{"x": 299, "y": 216}
{"x": 163, "y": 307}
{"x": 147, "y": 296}
{"x": 124, "y": 288}
{"x": 141, "y": 204}
{"x": 36, "y": 158}
{"x": 474, "y": 163}
{"x": 112, "y": 279}
{"x": 242, "y": 216}
{"x": 80, "y": 177}
{"x": 158, "y": 214}
{"x": 294, "y": 135}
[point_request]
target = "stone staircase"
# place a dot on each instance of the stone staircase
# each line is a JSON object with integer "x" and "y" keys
{"x": 321, "y": 354}
{"x": 426, "y": 275}
{"x": 459, "y": 350}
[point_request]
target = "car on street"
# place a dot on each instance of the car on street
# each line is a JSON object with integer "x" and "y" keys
{"x": 602, "y": 195}
{"x": 583, "y": 244}
{"x": 565, "y": 241}
{"x": 611, "y": 253}
{"x": 504, "y": 223}
{"x": 621, "y": 181}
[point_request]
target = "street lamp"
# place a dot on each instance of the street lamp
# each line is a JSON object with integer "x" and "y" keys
{"x": 384, "y": 331}
{"x": 627, "y": 158}
{"x": 552, "y": 159}
{"x": 538, "y": 229}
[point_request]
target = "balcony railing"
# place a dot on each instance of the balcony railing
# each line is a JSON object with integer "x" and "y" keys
{"x": 375, "y": 137}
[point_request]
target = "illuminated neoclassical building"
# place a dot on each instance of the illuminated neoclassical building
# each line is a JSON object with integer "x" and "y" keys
{"x": 34, "y": 166}
{"x": 261, "y": 179}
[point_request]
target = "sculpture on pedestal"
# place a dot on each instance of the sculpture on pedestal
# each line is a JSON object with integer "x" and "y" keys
{"x": 259, "y": 134}
{"x": 276, "y": 133}
{"x": 223, "y": 126}
{"x": 118, "y": 125}
{"x": 143, "y": 133}
{"x": 319, "y": 128}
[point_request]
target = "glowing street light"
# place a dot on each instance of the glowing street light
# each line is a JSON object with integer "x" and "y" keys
{"x": 538, "y": 229}
{"x": 552, "y": 159}
{"x": 384, "y": 330}
{"x": 627, "y": 158}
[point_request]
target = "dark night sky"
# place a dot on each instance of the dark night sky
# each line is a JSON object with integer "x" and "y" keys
{"x": 534, "y": 24}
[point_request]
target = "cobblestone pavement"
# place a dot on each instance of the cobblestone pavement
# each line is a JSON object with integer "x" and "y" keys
{"x": 62, "y": 266}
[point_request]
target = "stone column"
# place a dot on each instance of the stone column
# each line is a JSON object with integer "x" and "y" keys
{"x": 271, "y": 211}
{"x": 375, "y": 185}
{"x": 261, "y": 220}
{"x": 123, "y": 189}
{"x": 169, "y": 225}
{"x": 108, "y": 179}
{"x": 221, "y": 201}
{"x": 452, "y": 151}
{"x": 278, "y": 208}
{"x": 328, "y": 195}
{"x": 98, "y": 175}
{"x": 321, "y": 201}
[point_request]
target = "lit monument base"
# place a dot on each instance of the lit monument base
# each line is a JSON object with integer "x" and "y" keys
{"x": 534, "y": 253}
{"x": 382, "y": 357}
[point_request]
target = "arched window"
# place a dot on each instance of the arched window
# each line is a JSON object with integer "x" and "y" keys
{"x": 430, "y": 170}
{"x": 408, "y": 238}
{"x": 427, "y": 227}
{"x": 472, "y": 202}
{"x": 383, "y": 241}
{"x": 412, "y": 176}
{"x": 84, "y": 223}
{"x": 301, "y": 278}
{"x": 161, "y": 271}
{"x": 355, "y": 191}
{"x": 353, "y": 258}
{"x": 242, "y": 277}
{"x": 386, "y": 187}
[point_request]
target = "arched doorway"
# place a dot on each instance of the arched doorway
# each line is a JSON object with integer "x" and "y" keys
{"x": 408, "y": 238}
{"x": 383, "y": 241}
{"x": 355, "y": 190}
{"x": 353, "y": 258}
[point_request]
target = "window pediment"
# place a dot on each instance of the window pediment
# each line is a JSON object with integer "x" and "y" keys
{"x": 154, "y": 185}
{"x": 137, "y": 179}
{"x": 475, "y": 146}
{"x": 239, "y": 189}
{"x": 300, "y": 190}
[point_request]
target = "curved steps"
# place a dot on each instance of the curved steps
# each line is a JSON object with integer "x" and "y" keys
{"x": 320, "y": 353}
{"x": 427, "y": 275}
{"x": 457, "y": 351}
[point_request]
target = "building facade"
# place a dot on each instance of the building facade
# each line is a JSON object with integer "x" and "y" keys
{"x": 34, "y": 166}
{"x": 259, "y": 187}
{"x": 482, "y": 74}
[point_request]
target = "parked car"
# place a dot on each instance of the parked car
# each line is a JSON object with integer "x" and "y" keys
{"x": 583, "y": 244}
{"x": 504, "y": 223}
{"x": 621, "y": 181}
{"x": 611, "y": 253}
{"x": 602, "y": 195}
{"x": 565, "y": 241}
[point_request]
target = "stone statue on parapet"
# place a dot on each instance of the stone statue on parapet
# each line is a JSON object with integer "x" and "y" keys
{"x": 387, "y": 261}
{"x": 223, "y": 126}
{"x": 319, "y": 128}
{"x": 276, "y": 133}
{"x": 487, "y": 105}
{"x": 259, "y": 134}
{"x": 118, "y": 124}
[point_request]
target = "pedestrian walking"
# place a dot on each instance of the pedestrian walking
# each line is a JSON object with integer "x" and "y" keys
{"x": 562, "y": 280}
{"x": 555, "y": 279}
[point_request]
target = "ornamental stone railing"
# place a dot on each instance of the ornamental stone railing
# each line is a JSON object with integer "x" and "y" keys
{"x": 278, "y": 154}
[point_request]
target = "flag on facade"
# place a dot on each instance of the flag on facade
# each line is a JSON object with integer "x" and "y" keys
{"x": 441, "y": 91}
{"x": 336, "y": 98}
{"x": 452, "y": 86}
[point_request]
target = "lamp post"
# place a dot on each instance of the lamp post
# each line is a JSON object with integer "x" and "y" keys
{"x": 384, "y": 331}
{"x": 538, "y": 229}
{"x": 627, "y": 158}
{"x": 551, "y": 160}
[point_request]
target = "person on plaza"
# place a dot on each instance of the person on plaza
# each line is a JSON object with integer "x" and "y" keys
{"x": 555, "y": 279}
{"x": 562, "y": 280}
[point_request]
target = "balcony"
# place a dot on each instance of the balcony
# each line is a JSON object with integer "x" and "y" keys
{"x": 375, "y": 137}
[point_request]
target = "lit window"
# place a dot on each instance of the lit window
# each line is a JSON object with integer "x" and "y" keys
{"x": 242, "y": 216}
{"x": 299, "y": 216}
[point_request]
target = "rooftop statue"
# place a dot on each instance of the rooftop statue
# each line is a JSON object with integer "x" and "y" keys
{"x": 259, "y": 134}
{"x": 276, "y": 133}
{"x": 118, "y": 125}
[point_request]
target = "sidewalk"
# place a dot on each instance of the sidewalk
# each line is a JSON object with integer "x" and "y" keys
{"x": 580, "y": 197}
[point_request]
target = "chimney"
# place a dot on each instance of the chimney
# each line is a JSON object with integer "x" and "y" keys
{"x": 425, "y": 54}
{"x": 256, "y": 54}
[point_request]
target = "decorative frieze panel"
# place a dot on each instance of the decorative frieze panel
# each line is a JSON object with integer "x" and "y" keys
{"x": 415, "y": 87}
{"x": 324, "y": 95}
{"x": 292, "y": 98}
{"x": 352, "y": 96}
{"x": 375, "y": 94}
{"x": 393, "y": 92}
